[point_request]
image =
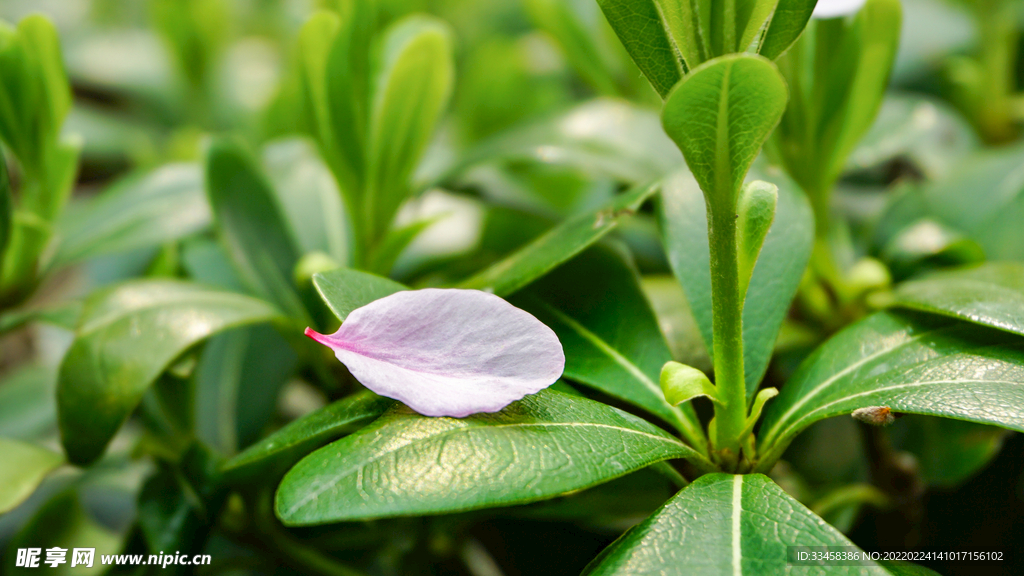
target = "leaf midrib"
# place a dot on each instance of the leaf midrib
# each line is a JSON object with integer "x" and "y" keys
{"x": 684, "y": 449}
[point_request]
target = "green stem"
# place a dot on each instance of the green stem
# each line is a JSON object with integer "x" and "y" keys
{"x": 727, "y": 319}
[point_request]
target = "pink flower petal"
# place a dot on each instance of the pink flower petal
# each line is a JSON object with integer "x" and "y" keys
{"x": 447, "y": 352}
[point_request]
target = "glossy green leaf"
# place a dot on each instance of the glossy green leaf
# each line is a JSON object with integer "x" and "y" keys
{"x": 722, "y": 525}
{"x": 252, "y": 226}
{"x": 990, "y": 294}
{"x": 127, "y": 336}
{"x": 345, "y": 289}
{"x": 412, "y": 84}
{"x": 63, "y": 523}
{"x": 909, "y": 363}
{"x": 781, "y": 264}
{"x": 141, "y": 211}
{"x": 283, "y": 448}
{"x": 639, "y": 26}
{"x": 720, "y": 115}
{"x": 25, "y": 466}
{"x": 406, "y": 464}
{"x": 558, "y": 245}
{"x": 927, "y": 244}
{"x": 595, "y": 305}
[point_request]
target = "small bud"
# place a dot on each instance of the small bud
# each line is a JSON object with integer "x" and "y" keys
{"x": 875, "y": 415}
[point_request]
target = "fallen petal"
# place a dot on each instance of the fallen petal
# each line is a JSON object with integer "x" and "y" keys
{"x": 447, "y": 352}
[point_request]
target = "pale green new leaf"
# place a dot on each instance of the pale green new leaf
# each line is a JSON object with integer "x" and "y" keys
{"x": 412, "y": 82}
{"x": 406, "y": 464}
{"x": 720, "y": 115}
{"x": 25, "y": 466}
{"x": 991, "y": 294}
{"x": 127, "y": 336}
{"x": 724, "y": 525}
{"x": 906, "y": 362}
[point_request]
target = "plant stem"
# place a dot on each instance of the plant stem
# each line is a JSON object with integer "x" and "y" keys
{"x": 727, "y": 319}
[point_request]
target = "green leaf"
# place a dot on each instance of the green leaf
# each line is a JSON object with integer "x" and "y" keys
{"x": 127, "y": 336}
{"x": 406, "y": 464}
{"x": 237, "y": 382}
{"x": 638, "y": 25}
{"x": 781, "y": 264}
{"x": 927, "y": 244}
{"x": 991, "y": 295}
{"x": 345, "y": 289}
{"x": 948, "y": 452}
{"x": 6, "y": 210}
{"x": 309, "y": 199}
{"x": 722, "y": 525}
{"x": 25, "y": 466}
{"x": 682, "y": 383}
{"x": 838, "y": 73}
{"x": 984, "y": 197}
{"x": 786, "y": 25}
{"x": 251, "y": 225}
{"x": 575, "y": 36}
{"x": 602, "y": 137}
{"x": 62, "y": 522}
{"x": 720, "y": 116}
{"x": 140, "y": 211}
{"x": 558, "y": 245}
{"x": 27, "y": 406}
{"x": 908, "y": 363}
{"x": 283, "y": 448}
{"x": 595, "y": 305}
{"x": 755, "y": 214}
{"x": 413, "y": 81}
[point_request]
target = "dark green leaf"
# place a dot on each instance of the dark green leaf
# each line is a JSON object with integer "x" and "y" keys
{"x": 990, "y": 294}
{"x": 927, "y": 244}
{"x": 251, "y": 225}
{"x": 406, "y": 464}
{"x": 25, "y": 466}
{"x": 345, "y": 289}
{"x": 639, "y": 26}
{"x": 127, "y": 337}
{"x": 722, "y": 525}
{"x": 139, "y": 212}
{"x": 907, "y": 363}
{"x": 286, "y": 446}
{"x": 776, "y": 275}
{"x": 611, "y": 338}
{"x": 237, "y": 382}
{"x": 785, "y": 26}
{"x": 720, "y": 116}
{"x": 558, "y": 245}
{"x": 948, "y": 452}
